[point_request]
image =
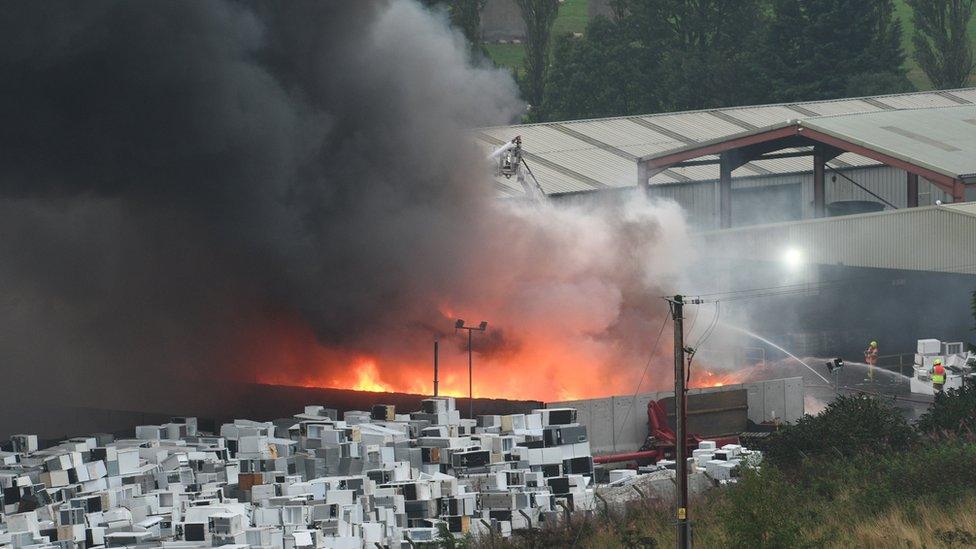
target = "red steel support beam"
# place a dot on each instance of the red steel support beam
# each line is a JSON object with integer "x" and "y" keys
{"x": 958, "y": 191}
{"x": 830, "y": 146}
{"x": 945, "y": 182}
{"x": 912, "y": 190}
{"x": 669, "y": 160}
{"x": 725, "y": 191}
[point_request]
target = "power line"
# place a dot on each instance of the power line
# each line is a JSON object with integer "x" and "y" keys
{"x": 643, "y": 374}
{"x": 691, "y": 329}
{"x": 859, "y": 186}
{"x": 703, "y": 339}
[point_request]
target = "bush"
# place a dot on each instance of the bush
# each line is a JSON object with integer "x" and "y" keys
{"x": 848, "y": 426}
{"x": 954, "y": 412}
{"x": 942, "y": 473}
{"x": 762, "y": 510}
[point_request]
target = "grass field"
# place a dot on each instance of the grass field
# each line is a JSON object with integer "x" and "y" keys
{"x": 573, "y": 18}
{"x": 506, "y": 55}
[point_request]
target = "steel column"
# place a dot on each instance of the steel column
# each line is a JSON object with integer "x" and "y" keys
{"x": 470, "y": 380}
{"x": 819, "y": 193}
{"x": 958, "y": 191}
{"x": 725, "y": 191}
{"x": 435, "y": 365}
{"x": 912, "y": 190}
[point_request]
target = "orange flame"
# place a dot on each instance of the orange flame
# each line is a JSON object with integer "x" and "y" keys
{"x": 547, "y": 368}
{"x": 702, "y": 378}
{"x": 368, "y": 379}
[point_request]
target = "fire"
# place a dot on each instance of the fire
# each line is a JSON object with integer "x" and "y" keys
{"x": 368, "y": 379}
{"x": 701, "y": 378}
{"x": 544, "y": 366}
{"x": 569, "y": 294}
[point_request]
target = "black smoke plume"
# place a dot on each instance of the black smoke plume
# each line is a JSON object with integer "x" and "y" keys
{"x": 174, "y": 172}
{"x": 182, "y": 180}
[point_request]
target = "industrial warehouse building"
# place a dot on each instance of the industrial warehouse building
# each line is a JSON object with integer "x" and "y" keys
{"x": 760, "y": 182}
{"x": 584, "y": 156}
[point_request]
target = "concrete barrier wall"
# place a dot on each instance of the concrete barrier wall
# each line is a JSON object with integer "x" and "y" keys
{"x": 619, "y": 423}
{"x": 31, "y": 410}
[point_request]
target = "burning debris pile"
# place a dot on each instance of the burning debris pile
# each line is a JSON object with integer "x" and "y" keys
{"x": 312, "y": 480}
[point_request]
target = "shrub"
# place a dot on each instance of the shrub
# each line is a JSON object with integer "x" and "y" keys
{"x": 954, "y": 411}
{"x": 848, "y": 426}
{"x": 941, "y": 473}
{"x": 762, "y": 510}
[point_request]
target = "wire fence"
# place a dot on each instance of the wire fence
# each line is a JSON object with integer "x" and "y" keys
{"x": 901, "y": 363}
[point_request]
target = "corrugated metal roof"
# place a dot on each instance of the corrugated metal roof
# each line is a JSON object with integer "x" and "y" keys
{"x": 757, "y": 117}
{"x": 591, "y": 154}
{"x": 963, "y": 208}
{"x": 826, "y": 108}
{"x": 933, "y": 238}
{"x": 694, "y": 126}
{"x": 917, "y": 101}
{"x": 942, "y": 139}
{"x": 968, "y": 94}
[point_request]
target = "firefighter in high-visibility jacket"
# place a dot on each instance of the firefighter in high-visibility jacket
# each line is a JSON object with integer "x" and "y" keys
{"x": 871, "y": 358}
{"x": 938, "y": 375}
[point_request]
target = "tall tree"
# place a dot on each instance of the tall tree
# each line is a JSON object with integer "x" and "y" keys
{"x": 660, "y": 54}
{"x": 941, "y": 39}
{"x": 823, "y": 49}
{"x": 465, "y": 16}
{"x": 709, "y": 49}
{"x": 539, "y": 16}
{"x": 602, "y": 74}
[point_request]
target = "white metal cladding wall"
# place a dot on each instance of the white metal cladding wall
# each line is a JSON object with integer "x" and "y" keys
{"x": 619, "y": 423}
{"x": 700, "y": 198}
{"x": 885, "y": 181}
{"x": 929, "y": 238}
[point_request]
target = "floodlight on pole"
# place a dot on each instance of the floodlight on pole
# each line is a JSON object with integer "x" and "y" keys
{"x": 793, "y": 258}
{"x": 459, "y": 325}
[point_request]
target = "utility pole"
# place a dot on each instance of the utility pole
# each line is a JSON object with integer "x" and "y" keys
{"x": 459, "y": 325}
{"x": 435, "y": 366}
{"x": 470, "y": 380}
{"x": 683, "y": 537}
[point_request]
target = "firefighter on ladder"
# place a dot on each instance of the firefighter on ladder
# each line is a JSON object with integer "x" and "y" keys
{"x": 871, "y": 358}
{"x": 938, "y": 375}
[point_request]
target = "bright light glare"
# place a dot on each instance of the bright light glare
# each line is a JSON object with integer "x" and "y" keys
{"x": 793, "y": 258}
